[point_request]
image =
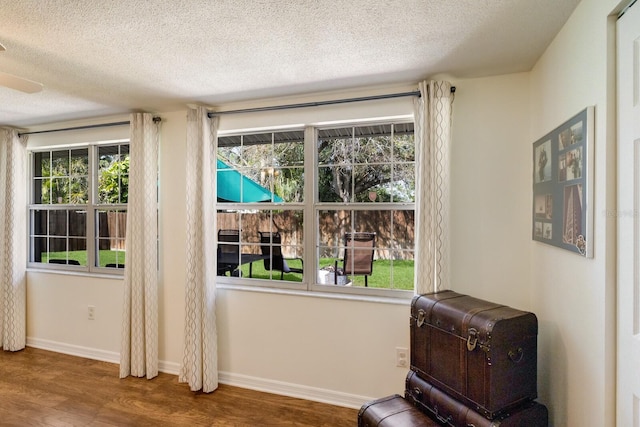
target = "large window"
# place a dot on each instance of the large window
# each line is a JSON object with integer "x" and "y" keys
{"x": 261, "y": 200}
{"x": 78, "y": 210}
{"x": 319, "y": 208}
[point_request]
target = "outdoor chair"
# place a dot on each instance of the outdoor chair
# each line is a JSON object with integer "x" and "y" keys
{"x": 64, "y": 261}
{"x": 271, "y": 247}
{"x": 230, "y": 250}
{"x": 358, "y": 255}
{"x": 114, "y": 265}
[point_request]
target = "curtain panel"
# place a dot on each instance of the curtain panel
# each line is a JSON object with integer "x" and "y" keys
{"x": 200, "y": 359}
{"x": 13, "y": 232}
{"x": 433, "y": 112}
{"x": 139, "y": 354}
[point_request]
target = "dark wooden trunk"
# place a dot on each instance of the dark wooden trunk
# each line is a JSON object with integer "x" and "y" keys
{"x": 392, "y": 411}
{"x": 481, "y": 353}
{"x": 451, "y": 412}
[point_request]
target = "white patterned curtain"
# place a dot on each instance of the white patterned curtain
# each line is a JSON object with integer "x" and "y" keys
{"x": 200, "y": 359}
{"x": 13, "y": 236}
{"x": 433, "y": 144}
{"x": 139, "y": 354}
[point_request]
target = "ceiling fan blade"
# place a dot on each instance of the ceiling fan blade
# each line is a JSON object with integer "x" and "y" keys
{"x": 18, "y": 83}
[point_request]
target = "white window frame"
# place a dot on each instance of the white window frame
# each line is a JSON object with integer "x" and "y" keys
{"x": 91, "y": 207}
{"x": 311, "y": 207}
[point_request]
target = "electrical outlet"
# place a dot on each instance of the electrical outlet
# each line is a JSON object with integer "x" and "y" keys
{"x": 402, "y": 357}
{"x": 91, "y": 312}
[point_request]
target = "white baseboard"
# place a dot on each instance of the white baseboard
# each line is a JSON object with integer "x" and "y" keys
{"x": 293, "y": 390}
{"x": 237, "y": 380}
{"x": 75, "y": 350}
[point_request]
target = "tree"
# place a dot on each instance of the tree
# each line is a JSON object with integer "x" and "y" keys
{"x": 64, "y": 176}
{"x": 113, "y": 184}
{"x": 352, "y": 168}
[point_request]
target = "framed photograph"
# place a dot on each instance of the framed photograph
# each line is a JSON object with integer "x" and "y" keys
{"x": 563, "y": 187}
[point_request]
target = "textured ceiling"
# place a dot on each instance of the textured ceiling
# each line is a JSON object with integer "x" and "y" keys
{"x": 98, "y": 58}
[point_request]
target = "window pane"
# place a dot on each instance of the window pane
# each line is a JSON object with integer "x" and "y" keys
{"x": 361, "y": 164}
{"x": 110, "y": 243}
{"x": 79, "y": 183}
{"x": 80, "y": 162}
{"x": 403, "y": 231}
{"x": 41, "y": 191}
{"x": 60, "y": 163}
{"x": 403, "y": 186}
{"x": 38, "y": 248}
{"x": 66, "y": 251}
{"x": 58, "y": 223}
{"x": 39, "y": 227}
{"x": 372, "y": 146}
{"x": 262, "y": 167}
{"x": 113, "y": 174}
{"x": 335, "y": 146}
{"x": 58, "y": 250}
{"x": 60, "y": 190}
{"x": 77, "y": 223}
{"x": 372, "y": 184}
{"x": 39, "y": 221}
{"x": 404, "y": 149}
{"x": 288, "y": 183}
{"x": 70, "y": 171}
{"x": 388, "y": 235}
{"x": 334, "y": 184}
{"x": 42, "y": 164}
{"x": 289, "y": 154}
{"x": 265, "y": 244}
{"x": 58, "y": 236}
{"x": 79, "y": 191}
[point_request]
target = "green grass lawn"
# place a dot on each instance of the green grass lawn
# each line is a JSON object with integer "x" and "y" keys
{"x": 381, "y": 277}
{"x": 106, "y": 257}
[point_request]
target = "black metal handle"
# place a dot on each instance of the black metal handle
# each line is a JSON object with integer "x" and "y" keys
{"x": 417, "y": 393}
{"x": 440, "y": 418}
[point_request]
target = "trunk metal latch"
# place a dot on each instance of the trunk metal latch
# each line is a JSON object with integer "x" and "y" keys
{"x": 420, "y": 318}
{"x": 472, "y": 339}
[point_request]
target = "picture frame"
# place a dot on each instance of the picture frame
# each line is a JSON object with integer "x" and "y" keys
{"x": 562, "y": 213}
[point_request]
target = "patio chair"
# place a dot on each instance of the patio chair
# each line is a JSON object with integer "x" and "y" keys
{"x": 358, "y": 255}
{"x": 230, "y": 250}
{"x": 271, "y": 247}
{"x": 64, "y": 261}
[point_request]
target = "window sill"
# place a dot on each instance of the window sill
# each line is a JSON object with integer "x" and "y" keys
{"x": 75, "y": 273}
{"x": 403, "y": 299}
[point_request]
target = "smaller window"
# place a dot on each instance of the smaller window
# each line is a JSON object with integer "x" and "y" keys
{"x": 72, "y": 224}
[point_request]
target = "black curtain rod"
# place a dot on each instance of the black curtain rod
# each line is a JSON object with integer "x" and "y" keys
{"x": 101, "y": 125}
{"x": 318, "y": 103}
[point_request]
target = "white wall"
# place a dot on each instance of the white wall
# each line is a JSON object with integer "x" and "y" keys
{"x": 575, "y": 297}
{"x": 491, "y": 197}
{"x": 339, "y": 350}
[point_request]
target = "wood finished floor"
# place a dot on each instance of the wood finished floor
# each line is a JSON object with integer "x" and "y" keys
{"x": 42, "y": 388}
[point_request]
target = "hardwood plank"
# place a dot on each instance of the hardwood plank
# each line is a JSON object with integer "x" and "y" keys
{"x": 43, "y": 388}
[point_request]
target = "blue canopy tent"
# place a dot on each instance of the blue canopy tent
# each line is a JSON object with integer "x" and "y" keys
{"x": 235, "y": 187}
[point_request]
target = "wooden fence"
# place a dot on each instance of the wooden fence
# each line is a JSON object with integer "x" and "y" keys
{"x": 395, "y": 231}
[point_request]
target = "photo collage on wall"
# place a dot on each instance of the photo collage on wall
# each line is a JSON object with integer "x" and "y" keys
{"x": 562, "y": 165}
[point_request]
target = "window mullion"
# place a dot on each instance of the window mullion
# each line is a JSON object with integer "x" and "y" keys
{"x": 310, "y": 214}
{"x": 91, "y": 229}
